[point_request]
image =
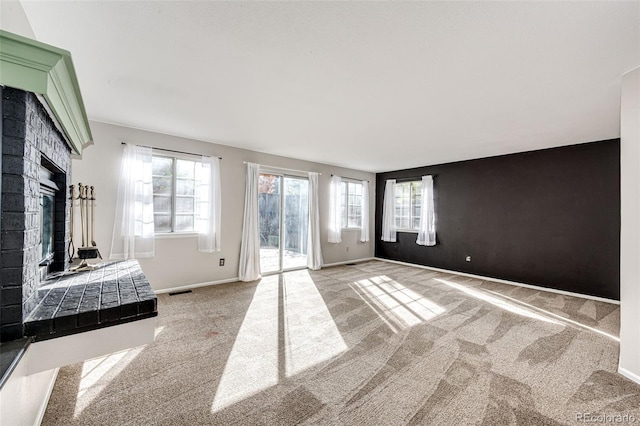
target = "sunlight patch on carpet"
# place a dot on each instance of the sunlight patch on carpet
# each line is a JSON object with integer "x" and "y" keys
{"x": 311, "y": 335}
{"x": 500, "y": 302}
{"x": 286, "y": 330}
{"x": 562, "y": 319}
{"x": 97, "y": 373}
{"x": 252, "y": 365}
{"x": 399, "y": 306}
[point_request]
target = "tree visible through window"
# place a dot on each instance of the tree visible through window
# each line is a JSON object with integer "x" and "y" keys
{"x": 174, "y": 184}
{"x": 407, "y": 204}
{"x": 269, "y": 210}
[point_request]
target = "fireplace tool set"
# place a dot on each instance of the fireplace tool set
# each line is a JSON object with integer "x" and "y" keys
{"x": 87, "y": 203}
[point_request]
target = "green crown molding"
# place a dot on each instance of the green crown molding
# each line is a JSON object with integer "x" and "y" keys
{"x": 48, "y": 71}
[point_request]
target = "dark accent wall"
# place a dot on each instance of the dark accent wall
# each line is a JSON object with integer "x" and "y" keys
{"x": 29, "y": 139}
{"x": 549, "y": 218}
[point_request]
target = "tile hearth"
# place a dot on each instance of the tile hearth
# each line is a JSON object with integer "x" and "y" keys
{"x": 111, "y": 294}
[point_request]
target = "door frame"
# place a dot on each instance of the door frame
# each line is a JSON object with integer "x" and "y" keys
{"x": 282, "y": 174}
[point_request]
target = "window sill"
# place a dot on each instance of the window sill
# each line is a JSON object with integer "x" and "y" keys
{"x": 408, "y": 231}
{"x": 171, "y": 235}
{"x": 350, "y": 229}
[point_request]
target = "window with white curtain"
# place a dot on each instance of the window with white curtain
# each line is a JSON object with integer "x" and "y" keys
{"x": 408, "y": 202}
{"x": 351, "y": 206}
{"x": 174, "y": 194}
{"x": 133, "y": 226}
{"x": 427, "y": 229}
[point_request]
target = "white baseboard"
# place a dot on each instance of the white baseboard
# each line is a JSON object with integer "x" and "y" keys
{"x": 235, "y": 279}
{"x": 192, "y": 286}
{"x": 498, "y": 280}
{"x": 45, "y": 401}
{"x": 365, "y": 259}
{"x": 629, "y": 375}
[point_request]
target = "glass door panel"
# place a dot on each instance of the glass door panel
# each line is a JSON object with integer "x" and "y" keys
{"x": 269, "y": 205}
{"x": 295, "y": 222}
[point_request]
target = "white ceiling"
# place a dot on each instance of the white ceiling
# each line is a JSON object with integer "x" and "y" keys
{"x": 373, "y": 86}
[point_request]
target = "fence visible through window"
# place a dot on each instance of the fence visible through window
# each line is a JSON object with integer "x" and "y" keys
{"x": 283, "y": 211}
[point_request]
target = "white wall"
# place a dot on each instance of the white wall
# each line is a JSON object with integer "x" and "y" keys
{"x": 24, "y": 396}
{"x": 14, "y": 20}
{"x": 177, "y": 261}
{"x": 630, "y": 227}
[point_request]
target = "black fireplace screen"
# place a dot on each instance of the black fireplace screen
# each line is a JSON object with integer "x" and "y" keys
{"x": 46, "y": 224}
{"x": 48, "y": 191}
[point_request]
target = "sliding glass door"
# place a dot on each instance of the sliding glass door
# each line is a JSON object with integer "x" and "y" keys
{"x": 269, "y": 195}
{"x": 283, "y": 206}
{"x": 295, "y": 222}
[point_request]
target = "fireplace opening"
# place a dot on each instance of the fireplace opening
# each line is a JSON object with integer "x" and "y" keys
{"x": 49, "y": 194}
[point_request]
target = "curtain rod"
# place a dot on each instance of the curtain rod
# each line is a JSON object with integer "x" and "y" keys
{"x": 281, "y": 168}
{"x": 347, "y": 177}
{"x": 172, "y": 150}
{"x": 412, "y": 179}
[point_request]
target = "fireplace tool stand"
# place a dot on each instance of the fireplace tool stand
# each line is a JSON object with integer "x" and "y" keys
{"x": 89, "y": 249}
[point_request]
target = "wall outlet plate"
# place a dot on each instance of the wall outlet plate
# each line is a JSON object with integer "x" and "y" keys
{"x": 468, "y": 259}
{"x": 222, "y": 262}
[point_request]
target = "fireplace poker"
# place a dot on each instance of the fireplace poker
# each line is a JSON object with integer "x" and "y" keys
{"x": 92, "y": 204}
{"x": 86, "y": 212}
{"x": 72, "y": 248}
{"x": 82, "y": 213}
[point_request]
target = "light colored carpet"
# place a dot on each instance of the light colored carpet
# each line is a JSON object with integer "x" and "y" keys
{"x": 376, "y": 343}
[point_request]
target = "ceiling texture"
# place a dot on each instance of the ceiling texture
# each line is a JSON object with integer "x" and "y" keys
{"x": 373, "y": 86}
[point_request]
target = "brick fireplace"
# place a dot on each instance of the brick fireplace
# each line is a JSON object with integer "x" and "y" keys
{"x": 49, "y": 319}
{"x": 33, "y": 151}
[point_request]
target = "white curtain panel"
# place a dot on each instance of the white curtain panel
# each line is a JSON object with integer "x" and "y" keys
{"x": 314, "y": 249}
{"x": 208, "y": 204}
{"x": 427, "y": 230}
{"x": 133, "y": 228}
{"x": 249, "y": 269}
{"x": 389, "y": 212}
{"x": 364, "y": 229}
{"x": 335, "y": 210}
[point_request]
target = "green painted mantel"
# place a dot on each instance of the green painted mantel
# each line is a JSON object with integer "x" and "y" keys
{"x": 48, "y": 71}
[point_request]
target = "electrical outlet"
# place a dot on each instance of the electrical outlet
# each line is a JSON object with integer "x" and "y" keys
{"x": 222, "y": 262}
{"x": 468, "y": 259}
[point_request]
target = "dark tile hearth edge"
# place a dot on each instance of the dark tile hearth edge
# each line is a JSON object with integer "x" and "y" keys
{"x": 114, "y": 293}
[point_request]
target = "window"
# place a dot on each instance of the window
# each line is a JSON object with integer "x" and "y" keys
{"x": 351, "y": 208}
{"x": 408, "y": 204}
{"x": 174, "y": 198}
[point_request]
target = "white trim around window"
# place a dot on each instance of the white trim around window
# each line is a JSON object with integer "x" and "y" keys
{"x": 351, "y": 205}
{"x": 407, "y": 203}
{"x": 174, "y": 186}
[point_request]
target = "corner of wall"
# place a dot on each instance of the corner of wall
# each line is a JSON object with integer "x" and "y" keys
{"x": 629, "y": 365}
